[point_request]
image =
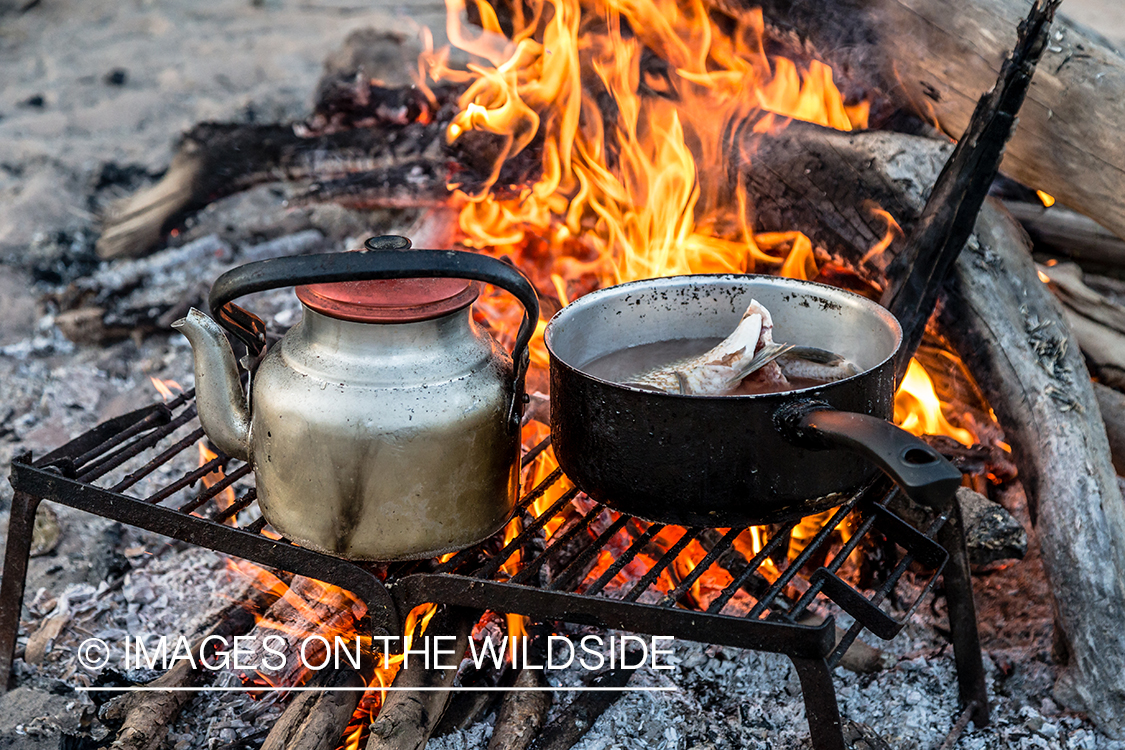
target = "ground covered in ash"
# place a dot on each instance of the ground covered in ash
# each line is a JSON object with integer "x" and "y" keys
{"x": 91, "y": 100}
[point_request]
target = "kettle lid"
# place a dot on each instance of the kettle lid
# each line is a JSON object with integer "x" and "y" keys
{"x": 389, "y": 300}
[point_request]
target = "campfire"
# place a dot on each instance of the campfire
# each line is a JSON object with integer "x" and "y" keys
{"x": 589, "y": 146}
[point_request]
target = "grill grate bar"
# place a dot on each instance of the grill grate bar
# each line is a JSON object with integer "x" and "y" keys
{"x": 238, "y": 505}
{"x": 135, "y": 448}
{"x": 257, "y": 526}
{"x": 810, "y": 594}
{"x": 751, "y": 571}
{"x": 701, "y": 567}
{"x": 795, "y": 566}
{"x": 638, "y": 544}
{"x": 556, "y": 544}
{"x": 216, "y": 488}
{"x": 160, "y": 414}
{"x": 665, "y": 560}
{"x": 509, "y": 549}
{"x": 881, "y": 593}
{"x": 159, "y": 460}
{"x": 563, "y": 581}
{"x": 188, "y": 479}
{"x": 537, "y": 492}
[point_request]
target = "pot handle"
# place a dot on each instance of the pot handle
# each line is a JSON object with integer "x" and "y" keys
{"x": 922, "y": 473}
{"x": 381, "y": 259}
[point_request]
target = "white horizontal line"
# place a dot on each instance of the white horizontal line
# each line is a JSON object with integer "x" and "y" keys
{"x": 389, "y": 689}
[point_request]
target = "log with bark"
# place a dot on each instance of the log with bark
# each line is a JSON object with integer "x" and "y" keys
{"x": 145, "y": 717}
{"x": 938, "y": 55}
{"x": 408, "y": 717}
{"x": 1003, "y": 322}
{"x": 317, "y": 720}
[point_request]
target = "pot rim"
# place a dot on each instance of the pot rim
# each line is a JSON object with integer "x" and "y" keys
{"x": 593, "y": 298}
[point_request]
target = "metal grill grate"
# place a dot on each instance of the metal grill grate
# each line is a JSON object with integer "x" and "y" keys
{"x": 132, "y": 470}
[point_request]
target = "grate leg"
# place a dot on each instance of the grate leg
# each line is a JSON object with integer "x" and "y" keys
{"x": 963, "y": 617}
{"x": 21, "y": 524}
{"x": 821, "y": 710}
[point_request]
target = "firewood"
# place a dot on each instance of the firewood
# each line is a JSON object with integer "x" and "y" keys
{"x": 1096, "y": 321}
{"x": 991, "y": 533}
{"x": 579, "y": 716}
{"x": 383, "y": 164}
{"x": 936, "y": 56}
{"x": 307, "y": 608}
{"x": 408, "y": 718}
{"x": 1007, "y": 326}
{"x": 1059, "y": 231}
{"x": 146, "y": 716}
{"x": 1111, "y": 403}
{"x": 915, "y": 276}
{"x": 1009, "y": 330}
{"x": 316, "y": 720}
{"x": 523, "y": 712}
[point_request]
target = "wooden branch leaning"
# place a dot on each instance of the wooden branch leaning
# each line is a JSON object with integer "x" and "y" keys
{"x": 914, "y": 277}
{"x": 1006, "y": 326}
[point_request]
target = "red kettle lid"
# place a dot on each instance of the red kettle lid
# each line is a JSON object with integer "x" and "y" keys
{"x": 389, "y": 300}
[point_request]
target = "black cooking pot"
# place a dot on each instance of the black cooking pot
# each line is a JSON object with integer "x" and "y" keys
{"x": 732, "y": 460}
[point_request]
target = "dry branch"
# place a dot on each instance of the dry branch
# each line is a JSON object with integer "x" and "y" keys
{"x": 915, "y": 276}
{"x": 408, "y": 718}
{"x": 317, "y": 720}
{"x": 1059, "y": 231}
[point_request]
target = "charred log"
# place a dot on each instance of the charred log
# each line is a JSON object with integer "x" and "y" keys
{"x": 317, "y": 720}
{"x": 914, "y": 277}
{"x": 409, "y": 717}
{"x": 936, "y": 56}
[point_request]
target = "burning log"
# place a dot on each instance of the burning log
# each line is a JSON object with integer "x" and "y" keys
{"x": 146, "y": 716}
{"x": 1059, "y": 231}
{"x": 936, "y": 56}
{"x": 577, "y": 718}
{"x": 409, "y": 717}
{"x": 317, "y": 720}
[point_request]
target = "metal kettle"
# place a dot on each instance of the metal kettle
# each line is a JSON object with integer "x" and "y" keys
{"x": 385, "y": 425}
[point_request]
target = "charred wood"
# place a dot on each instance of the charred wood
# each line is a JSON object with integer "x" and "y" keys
{"x": 146, "y": 716}
{"x": 914, "y": 277}
{"x": 991, "y": 532}
{"x": 936, "y": 56}
{"x": 577, "y": 718}
{"x": 409, "y": 717}
{"x": 523, "y": 711}
{"x": 316, "y": 720}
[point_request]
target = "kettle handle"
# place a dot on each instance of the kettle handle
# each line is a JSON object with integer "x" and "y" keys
{"x": 381, "y": 259}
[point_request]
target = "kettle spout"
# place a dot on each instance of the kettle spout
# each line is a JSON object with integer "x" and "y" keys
{"x": 223, "y": 411}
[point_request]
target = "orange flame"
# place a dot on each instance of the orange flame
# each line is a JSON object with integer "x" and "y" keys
{"x": 919, "y": 411}
{"x": 225, "y": 498}
{"x": 627, "y": 98}
{"x": 165, "y": 387}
